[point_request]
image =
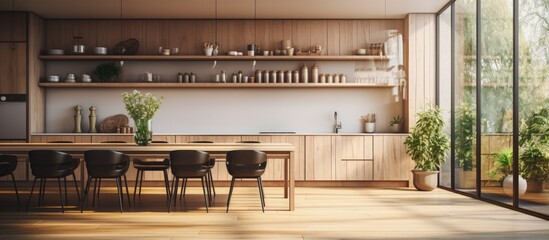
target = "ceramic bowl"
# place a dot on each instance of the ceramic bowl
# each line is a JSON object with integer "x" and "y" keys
{"x": 100, "y": 50}
{"x": 56, "y": 51}
{"x": 361, "y": 51}
{"x": 53, "y": 78}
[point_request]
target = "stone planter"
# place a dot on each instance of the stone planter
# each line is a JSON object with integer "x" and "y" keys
{"x": 425, "y": 180}
{"x": 508, "y": 186}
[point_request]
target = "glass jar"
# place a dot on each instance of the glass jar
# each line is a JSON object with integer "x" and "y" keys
{"x": 143, "y": 131}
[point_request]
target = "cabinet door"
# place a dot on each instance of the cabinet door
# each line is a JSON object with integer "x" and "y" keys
{"x": 19, "y": 33}
{"x": 390, "y": 159}
{"x": 319, "y": 163}
{"x": 13, "y": 68}
{"x": 353, "y": 159}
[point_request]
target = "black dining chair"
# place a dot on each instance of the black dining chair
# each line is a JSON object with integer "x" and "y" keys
{"x": 107, "y": 164}
{"x": 247, "y": 164}
{"x": 8, "y": 164}
{"x": 209, "y": 177}
{"x": 46, "y": 164}
{"x": 97, "y": 182}
{"x": 143, "y": 165}
{"x": 187, "y": 164}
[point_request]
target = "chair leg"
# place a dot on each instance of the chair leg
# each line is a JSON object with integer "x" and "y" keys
{"x": 141, "y": 183}
{"x": 183, "y": 188}
{"x": 230, "y": 194}
{"x": 174, "y": 193}
{"x": 61, "y": 195}
{"x": 41, "y": 193}
{"x": 99, "y": 190}
{"x": 86, "y": 191}
{"x": 30, "y": 196}
{"x": 208, "y": 187}
{"x": 260, "y": 195}
{"x": 16, "y": 192}
{"x": 119, "y": 190}
{"x": 136, "y": 182}
{"x": 167, "y": 184}
{"x": 212, "y": 181}
{"x": 127, "y": 190}
{"x": 66, "y": 193}
{"x": 204, "y": 192}
{"x": 262, "y": 191}
{"x": 94, "y": 192}
{"x": 76, "y": 187}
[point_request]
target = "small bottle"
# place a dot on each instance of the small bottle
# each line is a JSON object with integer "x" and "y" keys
{"x": 258, "y": 76}
{"x": 336, "y": 78}
{"x": 186, "y": 78}
{"x": 266, "y": 76}
{"x": 223, "y": 77}
{"x": 179, "y": 77}
{"x": 280, "y": 76}
{"x": 288, "y": 77}
{"x": 343, "y": 78}
{"x": 273, "y": 77}
{"x": 193, "y": 78}
{"x": 295, "y": 77}
{"x": 240, "y": 76}
{"x": 217, "y": 78}
{"x": 314, "y": 73}
{"x": 322, "y": 78}
{"x": 304, "y": 74}
{"x": 330, "y": 78}
{"x": 235, "y": 78}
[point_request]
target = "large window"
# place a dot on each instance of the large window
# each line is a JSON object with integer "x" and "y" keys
{"x": 484, "y": 75}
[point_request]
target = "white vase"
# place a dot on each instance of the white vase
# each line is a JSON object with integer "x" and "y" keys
{"x": 508, "y": 185}
{"x": 370, "y": 127}
{"x": 208, "y": 51}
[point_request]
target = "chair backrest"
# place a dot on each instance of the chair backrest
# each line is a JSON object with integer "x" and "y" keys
{"x": 248, "y": 142}
{"x": 204, "y": 141}
{"x": 246, "y": 163}
{"x": 114, "y": 142}
{"x": 60, "y": 142}
{"x": 183, "y": 162}
{"x": 50, "y": 163}
{"x": 8, "y": 163}
{"x": 106, "y": 163}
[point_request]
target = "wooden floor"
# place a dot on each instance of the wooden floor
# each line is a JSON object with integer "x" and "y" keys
{"x": 321, "y": 213}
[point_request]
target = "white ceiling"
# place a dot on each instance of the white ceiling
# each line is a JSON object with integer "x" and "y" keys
{"x": 241, "y": 9}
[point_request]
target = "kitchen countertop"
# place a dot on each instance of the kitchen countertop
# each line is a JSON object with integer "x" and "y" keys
{"x": 232, "y": 134}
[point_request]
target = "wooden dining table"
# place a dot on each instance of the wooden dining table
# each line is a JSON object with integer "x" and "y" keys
{"x": 283, "y": 151}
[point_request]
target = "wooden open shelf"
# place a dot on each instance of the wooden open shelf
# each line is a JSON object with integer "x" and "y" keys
{"x": 212, "y": 85}
{"x": 210, "y": 58}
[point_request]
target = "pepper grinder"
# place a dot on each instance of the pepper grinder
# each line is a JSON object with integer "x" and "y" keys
{"x": 93, "y": 118}
{"x": 77, "y": 119}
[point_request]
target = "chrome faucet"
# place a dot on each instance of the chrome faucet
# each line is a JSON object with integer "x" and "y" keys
{"x": 337, "y": 125}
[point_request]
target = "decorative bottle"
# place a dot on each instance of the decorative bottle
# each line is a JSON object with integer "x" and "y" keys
{"x": 314, "y": 73}
{"x": 93, "y": 119}
{"x": 304, "y": 74}
{"x": 77, "y": 119}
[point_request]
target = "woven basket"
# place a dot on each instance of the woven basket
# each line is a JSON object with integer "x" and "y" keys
{"x": 112, "y": 123}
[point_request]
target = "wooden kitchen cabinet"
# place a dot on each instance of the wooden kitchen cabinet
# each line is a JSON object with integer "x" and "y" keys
{"x": 319, "y": 158}
{"x": 13, "y": 68}
{"x": 19, "y": 33}
{"x": 353, "y": 158}
{"x": 390, "y": 159}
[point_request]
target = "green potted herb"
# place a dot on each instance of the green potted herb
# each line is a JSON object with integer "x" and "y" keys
{"x": 427, "y": 145}
{"x": 395, "y": 123}
{"x": 503, "y": 167}
{"x": 107, "y": 72}
{"x": 464, "y": 145}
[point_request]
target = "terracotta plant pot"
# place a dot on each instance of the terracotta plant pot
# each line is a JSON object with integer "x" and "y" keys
{"x": 425, "y": 180}
{"x": 534, "y": 187}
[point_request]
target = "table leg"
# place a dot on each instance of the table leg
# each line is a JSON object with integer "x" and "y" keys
{"x": 286, "y": 179}
{"x": 291, "y": 181}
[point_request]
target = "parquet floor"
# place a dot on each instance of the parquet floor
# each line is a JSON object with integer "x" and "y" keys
{"x": 321, "y": 213}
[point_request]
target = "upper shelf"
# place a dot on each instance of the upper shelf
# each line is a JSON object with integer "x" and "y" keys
{"x": 212, "y": 85}
{"x": 211, "y": 58}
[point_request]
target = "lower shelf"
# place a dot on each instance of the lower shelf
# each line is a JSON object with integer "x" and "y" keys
{"x": 213, "y": 85}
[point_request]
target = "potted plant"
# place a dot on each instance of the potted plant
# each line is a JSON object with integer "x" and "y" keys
{"x": 427, "y": 145}
{"x": 142, "y": 109}
{"x": 464, "y": 140}
{"x": 503, "y": 166}
{"x": 395, "y": 123}
{"x": 534, "y": 138}
{"x": 107, "y": 72}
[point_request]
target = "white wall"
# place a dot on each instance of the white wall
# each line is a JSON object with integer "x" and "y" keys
{"x": 226, "y": 110}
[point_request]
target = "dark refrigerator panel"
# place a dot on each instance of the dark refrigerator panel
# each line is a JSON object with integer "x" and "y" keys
{"x": 13, "y": 117}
